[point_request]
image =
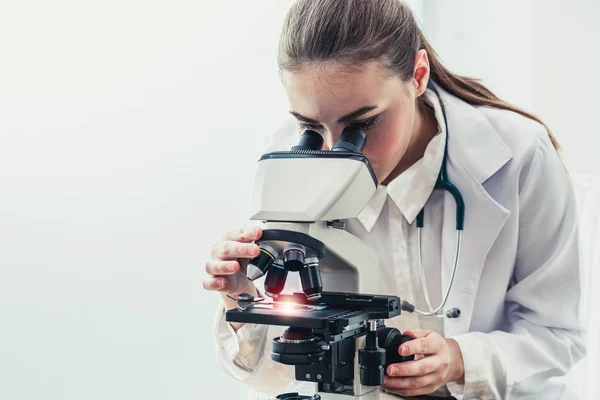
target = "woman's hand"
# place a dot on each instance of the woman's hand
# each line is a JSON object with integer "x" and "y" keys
{"x": 228, "y": 263}
{"x": 437, "y": 362}
{"x": 229, "y": 259}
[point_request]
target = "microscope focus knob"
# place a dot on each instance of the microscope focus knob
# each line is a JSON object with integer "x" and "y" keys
{"x": 371, "y": 363}
{"x": 371, "y": 358}
{"x": 391, "y": 339}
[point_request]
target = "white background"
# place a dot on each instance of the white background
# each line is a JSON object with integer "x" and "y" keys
{"x": 541, "y": 55}
{"x": 129, "y": 131}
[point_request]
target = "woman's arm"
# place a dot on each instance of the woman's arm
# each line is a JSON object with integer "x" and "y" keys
{"x": 245, "y": 355}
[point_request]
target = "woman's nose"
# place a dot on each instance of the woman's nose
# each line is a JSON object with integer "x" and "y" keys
{"x": 329, "y": 141}
{"x": 330, "y": 138}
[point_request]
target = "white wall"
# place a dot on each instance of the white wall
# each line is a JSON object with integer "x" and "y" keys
{"x": 566, "y": 65}
{"x": 128, "y": 135}
{"x": 541, "y": 55}
{"x": 473, "y": 39}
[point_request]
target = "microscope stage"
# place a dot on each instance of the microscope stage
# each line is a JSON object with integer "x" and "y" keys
{"x": 297, "y": 315}
{"x": 335, "y": 312}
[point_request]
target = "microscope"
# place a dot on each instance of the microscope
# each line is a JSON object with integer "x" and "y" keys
{"x": 336, "y": 338}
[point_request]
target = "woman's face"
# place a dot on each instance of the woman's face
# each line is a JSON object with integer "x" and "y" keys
{"x": 329, "y": 98}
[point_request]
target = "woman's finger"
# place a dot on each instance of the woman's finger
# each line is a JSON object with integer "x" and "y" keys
{"x": 218, "y": 267}
{"x": 423, "y": 366}
{"x": 426, "y": 343}
{"x": 214, "y": 283}
{"x": 230, "y": 250}
{"x": 416, "y": 392}
{"x": 412, "y": 383}
{"x": 244, "y": 235}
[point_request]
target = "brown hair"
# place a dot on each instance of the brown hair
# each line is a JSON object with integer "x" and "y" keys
{"x": 352, "y": 32}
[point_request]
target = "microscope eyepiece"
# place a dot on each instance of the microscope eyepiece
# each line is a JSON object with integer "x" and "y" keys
{"x": 351, "y": 139}
{"x": 259, "y": 265}
{"x": 309, "y": 140}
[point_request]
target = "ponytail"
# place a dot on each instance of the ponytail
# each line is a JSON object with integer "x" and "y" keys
{"x": 470, "y": 90}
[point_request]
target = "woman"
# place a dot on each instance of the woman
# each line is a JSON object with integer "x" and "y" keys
{"x": 517, "y": 284}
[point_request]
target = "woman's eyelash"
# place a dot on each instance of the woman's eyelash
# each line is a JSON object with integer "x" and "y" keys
{"x": 366, "y": 124}
{"x": 310, "y": 126}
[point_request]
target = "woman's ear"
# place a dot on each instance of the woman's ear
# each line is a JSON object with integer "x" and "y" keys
{"x": 420, "y": 73}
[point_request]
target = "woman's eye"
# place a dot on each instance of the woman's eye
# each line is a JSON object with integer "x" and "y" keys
{"x": 366, "y": 124}
{"x": 310, "y": 126}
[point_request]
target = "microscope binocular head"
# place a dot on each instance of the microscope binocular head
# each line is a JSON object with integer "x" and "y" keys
{"x": 307, "y": 184}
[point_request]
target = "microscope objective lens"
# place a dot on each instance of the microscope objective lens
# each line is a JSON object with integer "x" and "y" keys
{"x": 275, "y": 280}
{"x": 294, "y": 257}
{"x": 310, "y": 276}
{"x": 259, "y": 265}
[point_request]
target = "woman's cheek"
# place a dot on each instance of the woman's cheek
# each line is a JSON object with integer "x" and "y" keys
{"x": 377, "y": 155}
{"x": 385, "y": 149}
{"x": 379, "y": 147}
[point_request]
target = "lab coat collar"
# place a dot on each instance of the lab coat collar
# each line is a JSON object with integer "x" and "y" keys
{"x": 473, "y": 143}
{"x": 370, "y": 213}
{"x": 411, "y": 189}
{"x": 472, "y": 140}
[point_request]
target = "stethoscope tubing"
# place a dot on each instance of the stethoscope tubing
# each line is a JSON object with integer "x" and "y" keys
{"x": 442, "y": 183}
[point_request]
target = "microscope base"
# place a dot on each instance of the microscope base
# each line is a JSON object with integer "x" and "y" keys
{"x": 372, "y": 395}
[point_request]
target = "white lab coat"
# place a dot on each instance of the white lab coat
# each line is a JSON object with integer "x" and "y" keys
{"x": 518, "y": 282}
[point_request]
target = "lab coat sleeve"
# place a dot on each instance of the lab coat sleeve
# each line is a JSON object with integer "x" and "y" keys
{"x": 542, "y": 338}
{"x": 245, "y": 354}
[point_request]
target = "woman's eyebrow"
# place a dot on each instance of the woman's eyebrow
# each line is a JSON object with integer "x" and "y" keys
{"x": 303, "y": 118}
{"x": 356, "y": 113}
{"x": 346, "y": 118}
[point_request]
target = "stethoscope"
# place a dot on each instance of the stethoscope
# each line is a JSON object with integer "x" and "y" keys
{"x": 442, "y": 183}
